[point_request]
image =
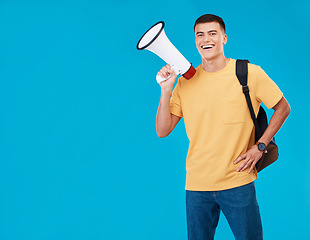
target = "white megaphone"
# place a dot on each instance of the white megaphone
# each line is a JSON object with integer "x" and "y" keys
{"x": 156, "y": 41}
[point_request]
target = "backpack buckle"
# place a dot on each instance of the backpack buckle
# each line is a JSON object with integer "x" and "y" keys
{"x": 245, "y": 89}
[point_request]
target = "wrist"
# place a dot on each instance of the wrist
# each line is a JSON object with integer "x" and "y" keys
{"x": 167, "y": 90}
{"x": 261, "y": 146}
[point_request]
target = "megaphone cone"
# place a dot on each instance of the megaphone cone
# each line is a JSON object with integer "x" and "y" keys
{"x": 156, "y": 41}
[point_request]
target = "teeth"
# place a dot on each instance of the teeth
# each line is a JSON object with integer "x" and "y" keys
{"x": 207, "y": 46}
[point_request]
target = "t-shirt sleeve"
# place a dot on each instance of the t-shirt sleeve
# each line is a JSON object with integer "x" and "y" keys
{"x": 267, "y": 90}
{"x": 175, "y": 101}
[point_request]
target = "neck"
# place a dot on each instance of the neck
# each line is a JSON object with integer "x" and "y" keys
{"x": 214, "y": 65}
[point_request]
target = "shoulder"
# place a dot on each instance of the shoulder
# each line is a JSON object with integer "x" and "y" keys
{"x": 184, "y": 81}
{"x": 251, "y": 66}
{"x": 254, "y": 68}
{"x": 254, "y": 71}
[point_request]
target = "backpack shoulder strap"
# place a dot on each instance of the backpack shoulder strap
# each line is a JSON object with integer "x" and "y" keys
{"x": 242, "y": 75}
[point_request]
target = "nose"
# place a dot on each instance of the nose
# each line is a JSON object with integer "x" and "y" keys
{"x": 206, "y": 38}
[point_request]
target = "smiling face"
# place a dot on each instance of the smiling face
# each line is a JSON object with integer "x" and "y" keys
{"x": 210, "y": 40}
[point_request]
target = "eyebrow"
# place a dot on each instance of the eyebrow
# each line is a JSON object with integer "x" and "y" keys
{"x": 207, "y": 32}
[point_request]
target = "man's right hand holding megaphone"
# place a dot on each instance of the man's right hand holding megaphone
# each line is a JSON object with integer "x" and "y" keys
{"x": 167, "y": 73}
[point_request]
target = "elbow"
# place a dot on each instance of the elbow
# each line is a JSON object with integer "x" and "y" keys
{"x": 288, "y": 110}
{"x": 283, "y": 107}
{"x": 161, "y": 135}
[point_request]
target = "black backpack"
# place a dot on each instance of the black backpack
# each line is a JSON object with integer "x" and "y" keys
{"x": 261, "y": 122}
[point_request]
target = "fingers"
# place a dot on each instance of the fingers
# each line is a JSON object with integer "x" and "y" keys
{"x": 243, "y": 156}
{"x": 166, "y": 77}
{"x": 170, "y": 69}
{"x": 246, "y": 163}
{"x": 164, "y": 72}
{"x": 249, "y": 162}
{"x": 252, "y": 166}
{"x": 249, "y": 158}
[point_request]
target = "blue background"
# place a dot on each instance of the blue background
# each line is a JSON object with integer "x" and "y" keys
{"x": 79, "y": 154}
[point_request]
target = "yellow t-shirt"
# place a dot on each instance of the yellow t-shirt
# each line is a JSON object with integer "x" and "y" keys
{"x": 218, "y": 123}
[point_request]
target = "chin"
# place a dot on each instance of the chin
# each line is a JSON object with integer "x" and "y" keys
{"x": 211, "y": 56}
{"x": 208, "y": 57}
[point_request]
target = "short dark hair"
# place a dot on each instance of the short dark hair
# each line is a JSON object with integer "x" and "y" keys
{"x": 210, "y": 18}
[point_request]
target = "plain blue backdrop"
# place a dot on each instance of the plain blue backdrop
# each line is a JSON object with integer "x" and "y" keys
{"x": 79, "y": 154}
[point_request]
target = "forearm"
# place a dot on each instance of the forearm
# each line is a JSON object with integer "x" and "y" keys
{"x": 282, "y": 110}
{"x": 163, "y": 117}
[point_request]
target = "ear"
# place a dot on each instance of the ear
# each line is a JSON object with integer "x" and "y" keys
{"x": 225, "y": 39}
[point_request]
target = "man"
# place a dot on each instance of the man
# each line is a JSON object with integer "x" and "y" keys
{"x": 222, "y": 153}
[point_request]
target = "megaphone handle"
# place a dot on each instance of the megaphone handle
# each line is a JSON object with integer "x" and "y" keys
{"x": 160, "y": 79}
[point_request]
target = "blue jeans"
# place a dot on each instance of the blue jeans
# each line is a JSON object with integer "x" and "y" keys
{"x": 239, "y": 205}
